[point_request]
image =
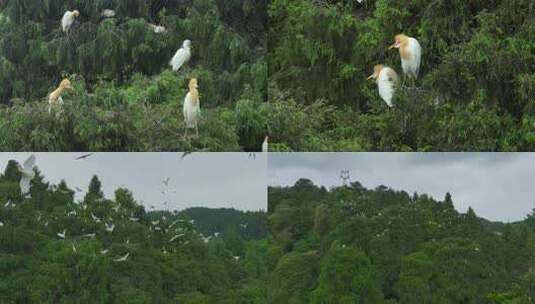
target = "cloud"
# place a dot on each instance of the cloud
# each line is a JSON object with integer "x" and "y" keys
{"x": 497, "y": 185}
{"x": 200, "y": 179}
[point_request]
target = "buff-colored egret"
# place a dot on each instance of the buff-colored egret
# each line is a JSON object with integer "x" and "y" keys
{"x": 192, "y": 108}
{"x": 55, "y": 99}
{"x": 387, "y": 80}
{"x": 410, "y": 52}
{"x": 68, "y": 20}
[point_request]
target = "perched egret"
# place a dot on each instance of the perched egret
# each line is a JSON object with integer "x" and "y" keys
{"x": 155, "y": 222}
{"x": 134, "y": 219}
{"x": 104, "y": 251}
{"x": 244, "y": 226}
{"x": 27, "y": 174}
{"x": 62, "y": 234}
{"x": 410, "y": 52}
{"x": 192, "y": 108}
{"x": 158, "y": 29}
{"x": 110, "y": 227}
{"x": 386, "y": 79}
{"x": 73, "y": 248}
{"x": 90, "y": 235}
{"x": 108, "y": 13}
{"x": 68, "y": 20}
{"x": 1, "y": 224}
{"x": 182, "y": 56}
{"x": 175, "y": 237}
{"x": 265, "y": 145}
{"x": 55, "y": 98}
{"x": 206, "y": 239}
{"x": 96, "y": 219}
{"x": 123, "y": 258}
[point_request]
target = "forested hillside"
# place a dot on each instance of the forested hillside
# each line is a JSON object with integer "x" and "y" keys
{"x": 350, "y": 244}
{"x": 54, "y": 249}
{"x": 475, "y": 90}
{"x": 125, "y": 96}
{"x": 248, "y": 225}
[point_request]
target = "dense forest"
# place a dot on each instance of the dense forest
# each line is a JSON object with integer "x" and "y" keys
{"x": 350, "y": 244}
{"x": 125, "y": 96}
{"x": 54, "y": 249}
{"x": 475, "y": 90}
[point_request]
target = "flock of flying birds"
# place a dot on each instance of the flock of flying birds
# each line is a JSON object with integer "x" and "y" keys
{"x": 163, "y": 224}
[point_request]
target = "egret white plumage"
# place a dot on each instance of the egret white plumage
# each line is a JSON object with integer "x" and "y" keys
{"x": 175, "y": 237}
{"x": 134, "y": 219}
{"x": 73, "y": 248}
{"x": 181, "y": 56}
{"x": 1, "y": 224}
{"x": 62, "y": 234}
{"x": 96, "y": 219}
{"x": 265, "y": 145}
{"x": 158, "y": 29}
{"x": 123, "y": 258}
{"x": 108, "y": 13}
{"x": 110, "y": 227}
{"x": 68, "y": 20}
{"x": 27, "y": 174}
{"x": 55, "y": 99}
{"x": 387, "y": 80}
{"x": 90, "y": 235}
{"x": 104, "y": 251}
{"x": 410, "y": 52}
{"x": 192, "y": 107}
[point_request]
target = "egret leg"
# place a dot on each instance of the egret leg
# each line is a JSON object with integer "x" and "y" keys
{"x": 196, "y": 130}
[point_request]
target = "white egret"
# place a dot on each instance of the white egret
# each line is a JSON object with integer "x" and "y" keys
{"x": 1, "y": 224}
{"x": 158, "y": 29}
{"x": 110, "y": 227}
{"x": 62, "y": 234}
{"x": 68, "y": 20}
{"x": 410, "y": 52}
{"x": 55, "y": 99}
{"x": 123, "y": 258}
{"x": 27, "y": 174}
{"x": 265, "y": 145}
{"x": 181, "y": 56}
{"x": 108, "y": 13}
{"x": 90, "y": 235}
{"x": 387, "y": 80}
{"x": 192, "y": 108}
{"x": 104, "y": 251}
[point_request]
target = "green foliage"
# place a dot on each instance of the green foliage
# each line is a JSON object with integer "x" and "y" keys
{"x": 475, "y": 90}
{"x": 350, "y": 244}
{"x": 39, "y": 267}
{"x": 126, "y": 98}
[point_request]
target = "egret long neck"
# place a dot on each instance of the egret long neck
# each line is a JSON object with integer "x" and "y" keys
{"x": 194, "y": 94}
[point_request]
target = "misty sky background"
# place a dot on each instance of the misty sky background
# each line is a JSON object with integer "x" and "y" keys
{"x": 498, "y": 186}
{"x": 214, "y": 180}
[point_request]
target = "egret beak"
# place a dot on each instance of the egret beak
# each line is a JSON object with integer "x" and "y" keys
{"x": 372, "y": 76}
{"x": 392, "y": 46}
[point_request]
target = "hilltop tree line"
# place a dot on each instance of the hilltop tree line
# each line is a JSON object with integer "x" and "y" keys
{"x": 350, "y": 244}
{"x": 125, "y": 96}
{"x": 54, "y": 249}
{"x": 475, "y": 92}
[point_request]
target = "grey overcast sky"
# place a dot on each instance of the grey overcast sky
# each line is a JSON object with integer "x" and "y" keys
{"x": 214, "y": 180}
{"x": 499, "y": 186}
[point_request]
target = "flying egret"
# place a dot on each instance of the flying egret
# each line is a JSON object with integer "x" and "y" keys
{"x": 410, "y": 52}
{"x": 158, "y": 29}
{"x": 265, "y": 144}
{"x": 55, "y": 99}
{"x": 62, "y": 234}
{"x": 27, "y": 174}
{"x": 182, "y": 56}
{"x": 166, "y": 181}
{"x": 83, "y": 156}
{"x": 123, "y": 258}
{"x": 387, "y": 80}
{"x": 68, "y": 20}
